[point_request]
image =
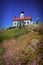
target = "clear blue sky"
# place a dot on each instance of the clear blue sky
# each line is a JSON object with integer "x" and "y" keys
{"x": 12, "y": 8}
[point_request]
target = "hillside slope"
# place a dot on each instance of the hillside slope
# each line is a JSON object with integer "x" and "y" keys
{"x": 25, "y": 49}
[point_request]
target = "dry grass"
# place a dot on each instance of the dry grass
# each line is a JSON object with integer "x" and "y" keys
{"x": 20, "y": 51}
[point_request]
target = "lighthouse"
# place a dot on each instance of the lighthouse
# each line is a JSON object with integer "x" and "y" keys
{"x": 22, "y": 14}
{"x": 22, "y": 20}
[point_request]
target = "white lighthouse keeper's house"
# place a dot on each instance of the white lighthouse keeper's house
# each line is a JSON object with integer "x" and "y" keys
{"x": 22, "y": 21}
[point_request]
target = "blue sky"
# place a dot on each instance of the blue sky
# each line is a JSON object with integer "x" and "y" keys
{"x": 11, "y": 8}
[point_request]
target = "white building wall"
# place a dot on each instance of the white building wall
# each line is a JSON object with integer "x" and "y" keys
{"x": 32, "y": 22}
{"x": 27, "y": 22}
{"x": 15, "y": 23}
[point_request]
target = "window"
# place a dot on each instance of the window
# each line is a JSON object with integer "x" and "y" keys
{"x": 18, "y": 24}
{"x": 14, "y": 23}
{"x": 24, "y": 23}
{"x": 27, "y": 22}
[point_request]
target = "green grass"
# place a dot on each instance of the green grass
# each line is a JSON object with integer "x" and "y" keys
{"x": 12, "y": 33}
{"x": 2, "y": 61}
{"x": 2, "y": 51}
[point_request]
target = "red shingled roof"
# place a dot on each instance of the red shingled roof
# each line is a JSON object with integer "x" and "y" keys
{"x": 26, "y": 18}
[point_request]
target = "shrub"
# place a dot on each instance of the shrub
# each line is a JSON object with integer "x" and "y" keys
{"x": 40, "y": 32}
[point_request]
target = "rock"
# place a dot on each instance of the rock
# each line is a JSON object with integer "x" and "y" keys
{"x": 34, "y": 42}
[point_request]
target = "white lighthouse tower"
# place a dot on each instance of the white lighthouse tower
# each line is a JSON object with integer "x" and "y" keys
{"x": 22, "y": 14}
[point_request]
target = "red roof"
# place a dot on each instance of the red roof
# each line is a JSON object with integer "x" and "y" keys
{"x": 26, "y": 18}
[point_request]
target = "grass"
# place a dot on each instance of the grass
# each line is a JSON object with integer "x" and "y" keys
{"x": 19, "y": 48}
{"x": 12, "y": 33}
{"x": 2, "y": 51}
{"x": 2, "y": 61}
{"x": 40, "y": 32}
